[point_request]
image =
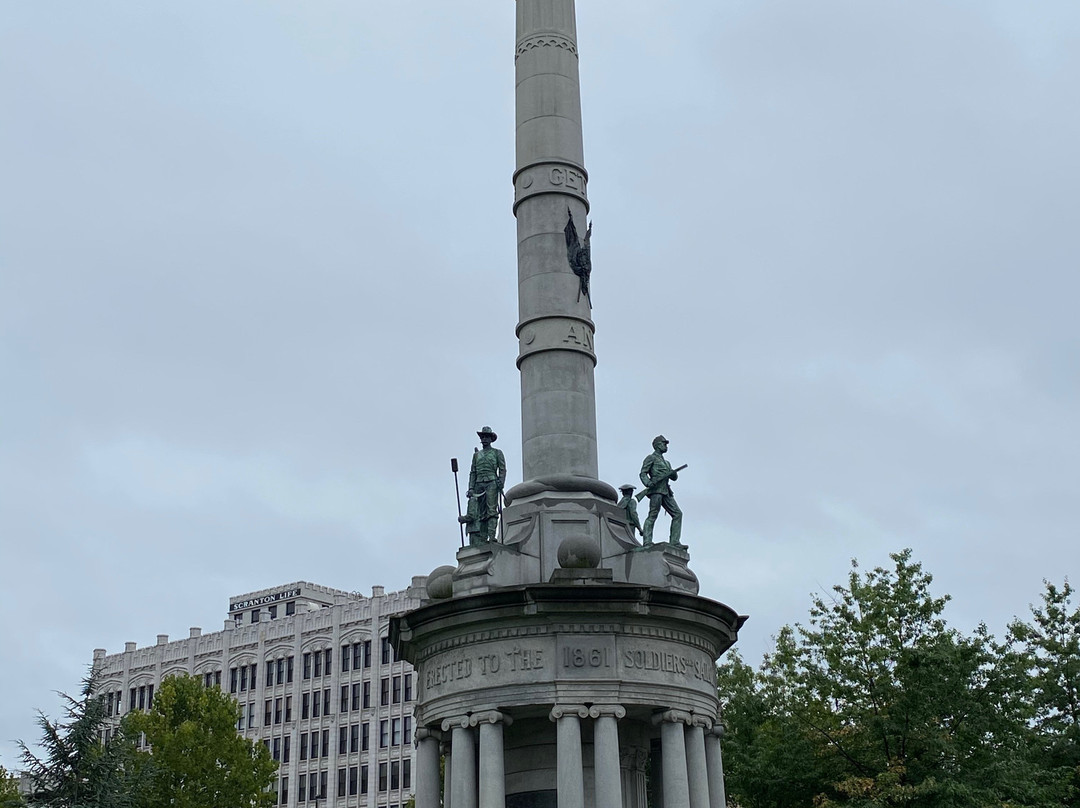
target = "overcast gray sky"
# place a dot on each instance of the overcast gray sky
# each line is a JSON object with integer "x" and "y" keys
{"x": 258, "y": 285}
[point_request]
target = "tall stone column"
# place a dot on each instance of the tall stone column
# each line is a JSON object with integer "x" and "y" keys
{"x": 606, "y": 768}
{"x": 715, "y": 763}
{"x": 427, "y": 768}
{"x": 448, "y": 772}
{"x": 463, "y": 778}
{"x": 492, "y": 767}
{"x": 673, "y": 751}
{"x": 697, "y": 771}
{"x": 555, "y": 329}
{"x": 570, "y": 774}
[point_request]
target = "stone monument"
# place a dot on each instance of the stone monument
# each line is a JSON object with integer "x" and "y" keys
{"x": 563, "y": 663}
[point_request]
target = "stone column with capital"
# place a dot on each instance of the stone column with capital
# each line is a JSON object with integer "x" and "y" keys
{"x": 697, "y": 771}
{"x": 463, "y": 793}
{"x": 555, "y": 329}
{"x": 570, "y": 774}
{"x": 427, "y": 767}
{"x": 606, "y": 768}
{"x": 448, "y": 773}
{"x": 715, "y": 763}
{"x": 492, "y": 767}
{"x": 673, "y": 752}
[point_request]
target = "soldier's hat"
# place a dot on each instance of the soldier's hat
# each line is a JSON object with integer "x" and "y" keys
{"x": 627, "y": 487}
{"x": 487, "y": 431}
{"x": 660, "y": 438}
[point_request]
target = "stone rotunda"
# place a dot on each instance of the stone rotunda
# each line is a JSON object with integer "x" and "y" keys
{"x": 564, "y": 663}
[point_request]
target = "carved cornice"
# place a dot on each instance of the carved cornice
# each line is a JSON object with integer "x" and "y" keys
{"x": 547, "y": 39}
{"x": 673, "y": 717}
{"x": 568, "y": 710}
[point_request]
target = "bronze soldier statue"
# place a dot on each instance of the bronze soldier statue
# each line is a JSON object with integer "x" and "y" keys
{"x": 656, "y": 474}
{"x": 486, "y": 479}
{"x": 629, "y": 505}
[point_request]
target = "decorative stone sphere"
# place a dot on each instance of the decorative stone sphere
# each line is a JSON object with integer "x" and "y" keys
{"x": 579, "y": 553}
{"x": 440, "y": 583}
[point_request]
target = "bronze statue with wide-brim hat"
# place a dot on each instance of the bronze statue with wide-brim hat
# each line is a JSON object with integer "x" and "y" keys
{"x": 487, "y": 476}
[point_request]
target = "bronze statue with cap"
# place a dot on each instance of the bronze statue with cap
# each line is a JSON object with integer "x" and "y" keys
{"x": 487, "y": 476}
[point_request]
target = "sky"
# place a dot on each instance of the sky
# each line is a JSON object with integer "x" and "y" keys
{"x": 258, "y": 286}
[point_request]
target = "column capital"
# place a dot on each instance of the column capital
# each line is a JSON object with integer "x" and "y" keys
{"x": 457, "y": 722}
{"x": 671, "y": 717}
{"x": 717, "y": 730}
{"x": 613, "y": 710}
{"x": 702, "y": 721}
{"x": 490, "y": 717}
{"x": 563, "y": 710}
{"x": 426, "y": 733}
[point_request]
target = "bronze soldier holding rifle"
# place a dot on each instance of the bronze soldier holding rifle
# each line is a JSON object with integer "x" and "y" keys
{"x": 656, "y": 474}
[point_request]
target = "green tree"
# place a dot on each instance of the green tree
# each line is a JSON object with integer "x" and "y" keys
{"x": 1052, "y": 643}
{"x": 198, "y": 759}
{"x": 9, "y": 790}
{"x": 78, "y": 768}
{"x": 876, "y": 702}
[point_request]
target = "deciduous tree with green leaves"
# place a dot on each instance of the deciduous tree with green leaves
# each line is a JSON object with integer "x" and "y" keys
{"x": 876, "y": 702}
{"x": 9, "y": 790}
{"x": 198, "y": 759}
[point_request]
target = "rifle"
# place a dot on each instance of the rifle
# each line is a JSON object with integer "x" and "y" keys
{"x": 640, "y": 495}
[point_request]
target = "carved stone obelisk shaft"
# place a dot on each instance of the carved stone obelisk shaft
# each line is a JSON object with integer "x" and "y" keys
{"x": 555, "y": 330}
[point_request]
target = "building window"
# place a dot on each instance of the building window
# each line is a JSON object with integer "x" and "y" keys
{"x": 344, "y": 707}
{"x": 345, "y": 658}
{"x": 316, "y": 703}
{"x": 254, "y": 670}
{"x": 254, "y": 615}
{"x": 406, "y": 773}
{"x": 277, "y": 749}
{"x": 149, "y": 697}
{"x": 305, "y": 706}
{"x": 288, "y": 708}
{"x": 357, "y": 655}
{"x": 352, "y": 781}
{"x": 354, "y": 738}
{"x": 382, "y": 777}
{"x": 284, "y": 790}
{"x": 408, "y": 729}
{"x": 364, "y": 737}
{"x": 280, "y": 671}
{"x": 356, "y": 696}
{"x": 322, "y": 785}
{"x": 326, "y": 702}
{"x": 251, "y": 715}
{"x": 341, "y": 774}
{"x": 384, "y": 691}
{"x": 343, "y": 740}
{"x": 134, "y": 696}
{"x": 367, "y": 695}
{"x": 328, "y": 662}
{"x": 384, "y": 733}
{"x": 243, "y": 677}
{"x": 142, "y": 697}
{"x": 289, "y": 670}
{"x": 318, "y": 663}
{"x": 395, "y": 775}
{"x": 270, "y": 673}
{"x": 386, "y": 650}
{"x": 307, "y": 665}
{"x": 303, "y": 746}
{"x": 314, "y": 745}
{"x": 290, "y": 607}
{"x": 397, "y": 690}
{"x": 326, "y": 743}
{"x": 285, "y": 751}
{"x": 273, "y": 612}
{"x": 408, "y": 687}
{"x": 395, "y": 732}
{"x": 267, "y": 714}
{"x": 277, "y": 710}
{"x": 232, "y": 680}
{"x": 301, "y": 795}
{"x": 367, "y": 653}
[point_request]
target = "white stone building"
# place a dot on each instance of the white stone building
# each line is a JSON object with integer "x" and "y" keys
{"x": 317, "y": 681}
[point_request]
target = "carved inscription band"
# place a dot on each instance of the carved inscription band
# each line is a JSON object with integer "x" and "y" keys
{"x": 555, "y": 334}
{"x": 551, "y": 178}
